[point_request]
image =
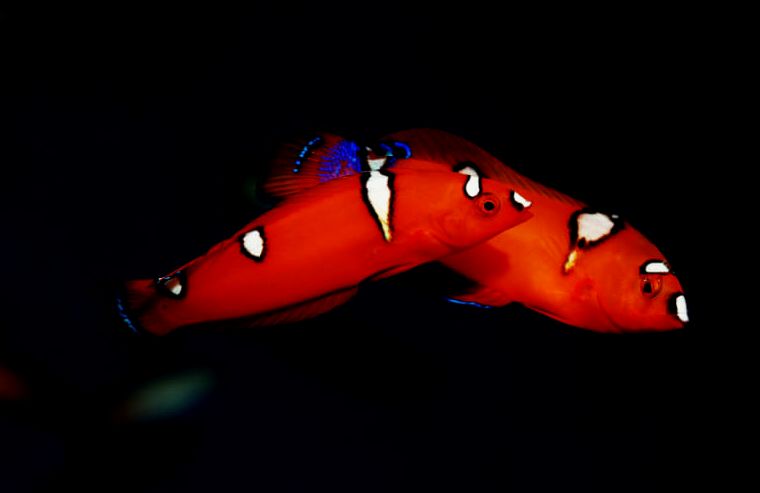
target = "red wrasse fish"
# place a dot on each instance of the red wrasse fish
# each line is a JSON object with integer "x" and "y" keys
{"x": 309, "y": 253}
{"x": 584, "y": 267}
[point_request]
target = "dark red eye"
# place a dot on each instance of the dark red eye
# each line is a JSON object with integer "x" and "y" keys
{"x": 651, "y": 285}
{"x": 488, "y": 204}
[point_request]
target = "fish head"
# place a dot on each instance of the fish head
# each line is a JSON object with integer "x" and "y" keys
{"x": 633, "y": 286}
{"x": 474, "y": 209}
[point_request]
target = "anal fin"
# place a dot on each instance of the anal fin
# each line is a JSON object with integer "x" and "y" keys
{"x": 484, "y": 296}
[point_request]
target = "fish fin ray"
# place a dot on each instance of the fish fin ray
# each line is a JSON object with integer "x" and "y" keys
{"x": 134, "y": 302}
{"x": 484, "y": 295}
{"x": 139, "y": 294}
{"x": 306, "y": 163}
{"x": 442, "y": 147}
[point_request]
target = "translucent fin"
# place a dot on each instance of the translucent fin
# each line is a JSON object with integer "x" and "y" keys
{"x": 442, "y": 147}
{"x": 139, "y": 294}
{"x": 309, "y": 162}
{"x": 483, "y": 295}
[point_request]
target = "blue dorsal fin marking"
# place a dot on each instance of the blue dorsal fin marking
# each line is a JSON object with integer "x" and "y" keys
{"x": 394, "y": 149}
{"x": 307, "y": 163}
{"x": 325, "y": 157}
{"x": 447, "y": 149}
{"x": 305, "y": 152}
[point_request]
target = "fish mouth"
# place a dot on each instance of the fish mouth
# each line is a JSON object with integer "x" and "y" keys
{"x": 676, "y": 302}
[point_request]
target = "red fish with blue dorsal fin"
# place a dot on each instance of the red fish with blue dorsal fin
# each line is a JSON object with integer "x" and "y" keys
{"x": 585, "y": 267}
{"x": 309, "y": 253}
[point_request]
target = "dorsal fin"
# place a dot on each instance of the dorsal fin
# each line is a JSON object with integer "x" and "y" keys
{"x": 309, "y": 162}
{"x": 442, "y": 147}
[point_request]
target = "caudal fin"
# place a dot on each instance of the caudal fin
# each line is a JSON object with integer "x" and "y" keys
{"x": 139, "y": 305}
{"x": 132, "y": 300}
{"x": 139, "y": 294}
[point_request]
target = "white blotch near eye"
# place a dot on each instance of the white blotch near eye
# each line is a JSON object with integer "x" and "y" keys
{"x": 253, "y": 243}
{"x": 472, "y": 187}
{"x": 379, "y": 196}
{"x": 468, "y": 170}
{"x": 594, "y": 227}
{"x": 681, "y": 311}
{"x": 376, "y": 164}
{"x": 656, "y": 268}
{"x": 521, "y": 200}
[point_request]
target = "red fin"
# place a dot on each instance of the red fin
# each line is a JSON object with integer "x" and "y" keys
{"x": 139, "y": 294}
{"x": 302, "y": 311}
{"x": 484, "y": 295}
{"x": 443, "y": 147}
{"x": 138, "y": 312}
{"x": 309, "y": 162}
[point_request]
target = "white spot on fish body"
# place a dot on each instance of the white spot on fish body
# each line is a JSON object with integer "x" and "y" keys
{"x": 519, "y": 201}
{"x": 254, "y": 244}
{"x": 174, "y": 285}
{"x": 472, "y": 187}
{"x": 594, "y": 226}
{"x": 379, "y": 194}
{"x": 681, "y": 311}
{"x": 376, "y": 164}
{"x": 656, "y": 267}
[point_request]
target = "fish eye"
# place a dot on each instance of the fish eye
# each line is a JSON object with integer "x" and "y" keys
{"x": 488, "y": 204}
{"x": 651, "y": 286}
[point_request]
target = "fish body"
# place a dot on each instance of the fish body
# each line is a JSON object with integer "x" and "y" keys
{"x": 587, "y": 268}
{"x": 310, "y": 252}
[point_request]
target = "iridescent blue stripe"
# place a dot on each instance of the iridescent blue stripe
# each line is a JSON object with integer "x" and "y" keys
{"x": 468, "y": 303}
{"x": 122, "y": 310}
{"x": 306, "y": 152}
{"x": 343, "y": 159}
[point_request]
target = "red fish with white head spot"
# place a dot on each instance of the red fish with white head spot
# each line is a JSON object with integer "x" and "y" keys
{"x": 584, "y": 267}
{"x": 309, "y": 253}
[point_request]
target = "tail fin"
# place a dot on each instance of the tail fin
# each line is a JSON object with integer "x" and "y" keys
{"x": 135, "y": 297}
{"x": 139, "y": 294}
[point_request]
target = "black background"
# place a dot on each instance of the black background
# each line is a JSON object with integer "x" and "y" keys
{"x": 134, "y": 140}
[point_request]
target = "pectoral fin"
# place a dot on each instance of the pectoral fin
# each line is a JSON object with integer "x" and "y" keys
{"x": 484, "y": 296}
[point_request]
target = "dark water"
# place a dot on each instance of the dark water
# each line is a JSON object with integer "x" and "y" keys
{"x": 133, "y": 140}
